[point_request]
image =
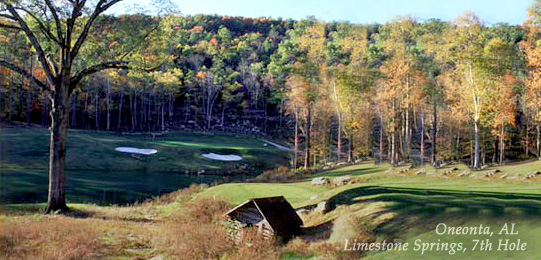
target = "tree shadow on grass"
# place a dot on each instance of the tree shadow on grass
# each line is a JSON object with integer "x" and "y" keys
{"x": 427, "y": 207}
{"x": 414, "y": 199}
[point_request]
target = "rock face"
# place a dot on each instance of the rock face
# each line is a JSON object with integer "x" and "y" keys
{"x": 320, "y": 181}
{"x": 342, "y": 180}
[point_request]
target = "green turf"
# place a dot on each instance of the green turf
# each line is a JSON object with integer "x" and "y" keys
{"x": 239, "y": 192}
{"x": 97, "y": 173}
{"x": 417, "y": 204}
{"x": 376, "y": 175}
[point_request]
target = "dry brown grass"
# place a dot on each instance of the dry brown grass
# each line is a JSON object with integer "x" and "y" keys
{"x": 195, "y": 231}
{"x": 53, "y": 237}
{"x": 346, "y": 226}
{"x": 253, "y": 246}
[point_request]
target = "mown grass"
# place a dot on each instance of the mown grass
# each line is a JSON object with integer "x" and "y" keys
{"x": 406, "y": 207}
{"x": 369, "y": 174}
{"x": 96, "y": 173}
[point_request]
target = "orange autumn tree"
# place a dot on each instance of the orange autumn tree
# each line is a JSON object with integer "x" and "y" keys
{"x": 503, "y": 110}
{"x": 388, "y": 99}
{"x": 532, "y": 53}
{"x": 401, "y": 78}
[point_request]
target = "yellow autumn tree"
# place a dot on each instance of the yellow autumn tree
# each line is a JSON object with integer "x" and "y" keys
{"x": 532, "y": 53}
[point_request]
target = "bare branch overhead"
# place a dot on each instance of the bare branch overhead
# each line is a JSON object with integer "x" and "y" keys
{"x": 23, "y": 72}
{"x": 101, "y": 7}
{"x": 33, "y": 40}
{"x": 97, "y": 68}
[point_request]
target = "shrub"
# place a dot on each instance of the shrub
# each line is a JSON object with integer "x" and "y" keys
{"x": 196, "y": 231}
{"x": 254, "y": 246}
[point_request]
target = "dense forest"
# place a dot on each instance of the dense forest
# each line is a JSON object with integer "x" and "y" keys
{"x": 408, "y": 90}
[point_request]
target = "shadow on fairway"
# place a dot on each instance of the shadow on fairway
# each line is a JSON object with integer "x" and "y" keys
{"x": 434, "y": 201}
{"x": 426, "y": 208}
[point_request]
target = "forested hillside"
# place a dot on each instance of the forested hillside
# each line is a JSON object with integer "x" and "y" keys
{"x": 425, "y": 91}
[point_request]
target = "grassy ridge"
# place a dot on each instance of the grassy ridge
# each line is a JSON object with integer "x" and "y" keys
{"x": 407, "y": 208}
{"x": 369, "y": 174}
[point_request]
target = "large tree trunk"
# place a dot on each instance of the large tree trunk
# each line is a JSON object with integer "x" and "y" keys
{"x": 57, "y": 150}
{"x": 307, "y": 148}
{"x": 476, "y": 163}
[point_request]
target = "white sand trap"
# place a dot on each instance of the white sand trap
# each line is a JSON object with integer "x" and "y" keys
{"x": 280, "y": 147}
{"x": 136, "y": 150}
{"x": 221, "y": 157}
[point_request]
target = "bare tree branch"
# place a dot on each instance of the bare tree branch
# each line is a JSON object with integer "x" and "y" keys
{"x": 101, "y": 7}
{"x": 23, "y": 72}
{"x": 56, "y": 20}
{"x": 76, "y": 12}
{"x": 7, "y": 16}
{"x": 9, "y": 26}
{"x": 41, "y": 26}
{"x": 33, "y": 41}
{"x": 97, "y": 68}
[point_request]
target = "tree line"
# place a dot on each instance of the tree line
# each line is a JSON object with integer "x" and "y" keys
{"x": 408, "y": 90}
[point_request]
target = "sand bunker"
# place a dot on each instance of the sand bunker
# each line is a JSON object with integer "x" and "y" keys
{"x": 221, "y": 157}
{"x": 136, "y": 150}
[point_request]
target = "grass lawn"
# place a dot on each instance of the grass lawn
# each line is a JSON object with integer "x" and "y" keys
{"x": 97, "y": 173}
{"x": 369, "y": 174}
{"x": 238, "y": 192}
{"x": 407, "y": 208}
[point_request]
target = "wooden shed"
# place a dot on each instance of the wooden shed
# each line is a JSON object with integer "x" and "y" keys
{"x": 273, "y": 216}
